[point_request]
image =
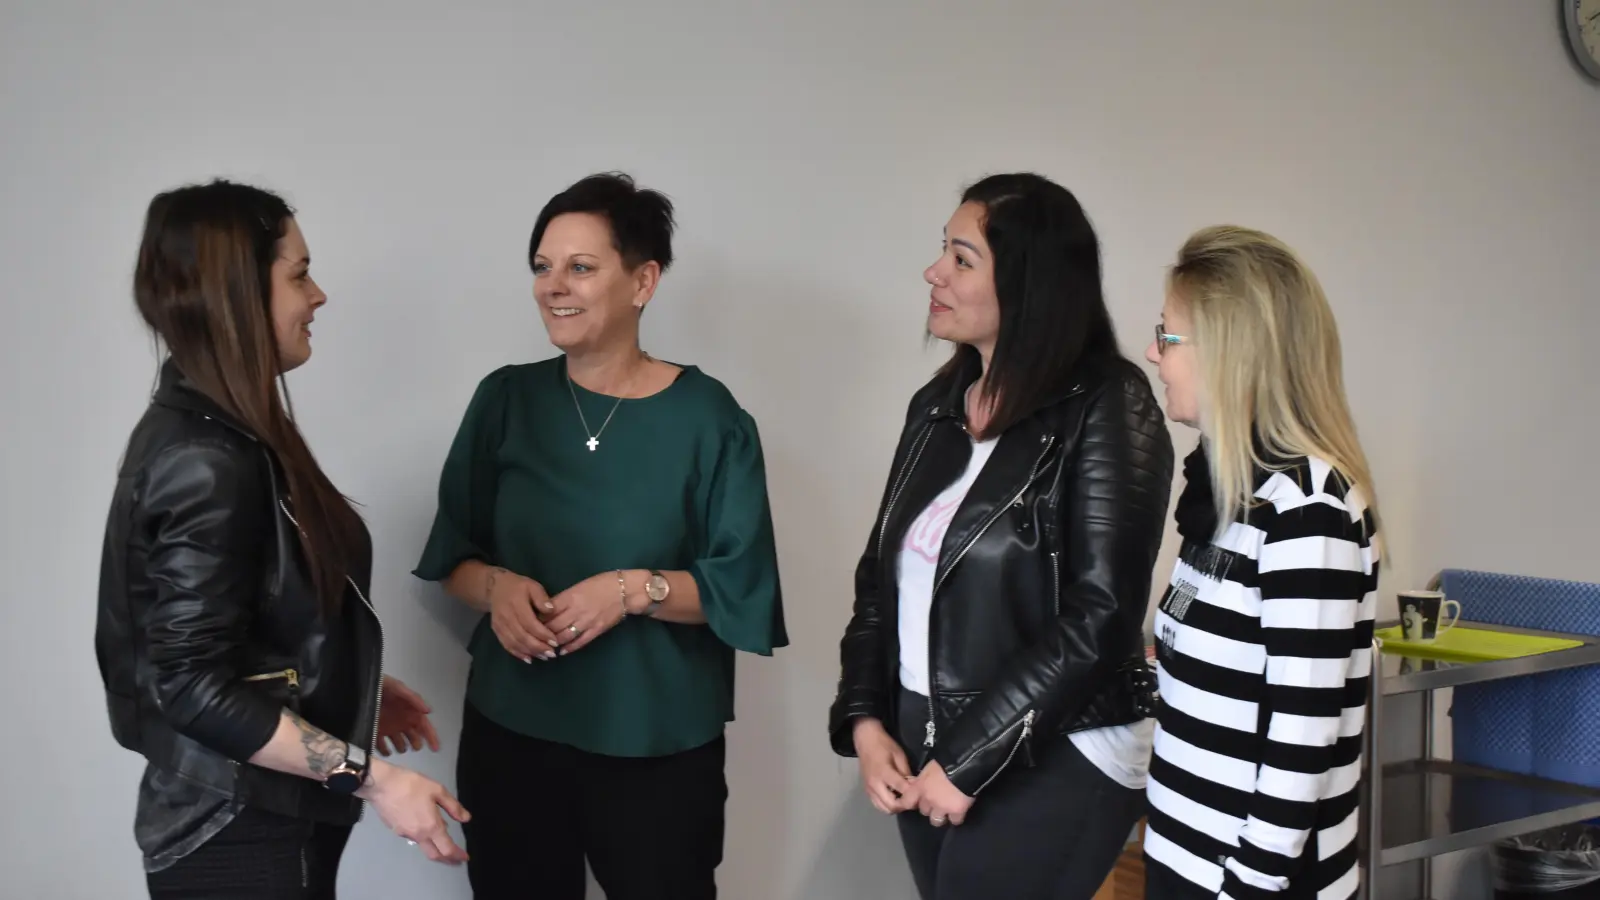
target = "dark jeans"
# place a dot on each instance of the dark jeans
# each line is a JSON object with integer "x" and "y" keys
{"x": 1052, "y": 832}
{"x": 1161, "y": 883}
{"x": 258, "y": 856}
{"x": 651, "y": 828}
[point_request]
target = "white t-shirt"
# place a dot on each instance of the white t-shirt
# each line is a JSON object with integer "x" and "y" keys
{"x": 919, "y": 559}
{"x": 1122, "y": 752}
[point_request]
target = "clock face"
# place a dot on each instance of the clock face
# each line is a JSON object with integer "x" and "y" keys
{"x": 1583, "y": 33}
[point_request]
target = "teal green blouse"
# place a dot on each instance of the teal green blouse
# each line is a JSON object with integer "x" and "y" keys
{"x": 677, "y": 481}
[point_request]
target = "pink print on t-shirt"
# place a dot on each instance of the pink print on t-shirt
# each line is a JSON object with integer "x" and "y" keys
{"x": 927, "y": 533}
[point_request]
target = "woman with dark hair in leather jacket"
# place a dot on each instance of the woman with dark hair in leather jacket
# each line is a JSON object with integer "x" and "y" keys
{"x": 994, "y": 684}
{"x": 238, "y": 651}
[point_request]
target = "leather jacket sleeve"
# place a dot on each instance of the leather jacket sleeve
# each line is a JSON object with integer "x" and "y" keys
{"x": 200, "y": 509}
{"x": 1111, "y": 521}
{"x": 863, "y": 691}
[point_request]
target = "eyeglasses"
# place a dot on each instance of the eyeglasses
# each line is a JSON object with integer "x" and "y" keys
{"x": 1163, "y": 340}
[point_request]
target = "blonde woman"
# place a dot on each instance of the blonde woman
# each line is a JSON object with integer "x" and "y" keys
{"x": 1263, "y": 636}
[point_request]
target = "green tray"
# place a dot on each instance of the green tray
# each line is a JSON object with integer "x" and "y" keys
{"x": 1464, "y": 643}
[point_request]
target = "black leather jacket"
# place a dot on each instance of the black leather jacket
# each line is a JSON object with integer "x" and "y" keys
{"x": 208, "y": 628}
{"x": 1043, "y": 578}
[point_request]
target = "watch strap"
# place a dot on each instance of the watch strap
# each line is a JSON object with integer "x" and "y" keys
{"x": 348, "y": 776}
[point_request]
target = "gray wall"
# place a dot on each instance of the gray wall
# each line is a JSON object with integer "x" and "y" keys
{"x": 1432, "y": 159}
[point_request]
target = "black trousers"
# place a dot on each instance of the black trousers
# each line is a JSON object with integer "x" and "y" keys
{"x": 1161, "y": 883}
{"x": 1052, "y": 832}
{"x": 651, "y": 828}
{"x": 258, "y": 856}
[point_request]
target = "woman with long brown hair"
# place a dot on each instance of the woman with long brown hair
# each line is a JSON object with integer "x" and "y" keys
{"x": 238, "y": 649}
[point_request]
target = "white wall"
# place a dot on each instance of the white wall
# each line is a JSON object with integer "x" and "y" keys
{"x": 1433, "y": 160}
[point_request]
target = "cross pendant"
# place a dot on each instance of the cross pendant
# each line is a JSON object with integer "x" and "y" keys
{"x": 594, "y": 444}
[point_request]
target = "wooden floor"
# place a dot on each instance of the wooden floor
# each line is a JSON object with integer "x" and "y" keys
{"x": 1127, "y": 879}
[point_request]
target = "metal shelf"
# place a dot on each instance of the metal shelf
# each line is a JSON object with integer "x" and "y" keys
{"x": 1427, "y": 807}
{"x": 1408, "y": 674}
{"x": 1432, "y": 807}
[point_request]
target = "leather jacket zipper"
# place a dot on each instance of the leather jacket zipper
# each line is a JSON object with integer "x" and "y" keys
{"x": 1055, "y": 578}
{"x": 377, "y": 702}
{"x": 912, "y": 458}
{"x": 1027, "y": 732}
{"x": 914, "y": 455}
{"x": 289, "y": 676}
{"x": 931, "y": 730}
{"x": 994, "y": 517}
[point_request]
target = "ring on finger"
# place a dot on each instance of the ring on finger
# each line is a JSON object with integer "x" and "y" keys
{"x": 575, "y": 630}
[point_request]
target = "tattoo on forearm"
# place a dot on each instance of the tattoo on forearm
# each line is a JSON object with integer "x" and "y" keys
{"x": 324, "y": 752}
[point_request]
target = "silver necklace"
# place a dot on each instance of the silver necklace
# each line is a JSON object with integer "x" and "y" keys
{"x": 593, "y": 443}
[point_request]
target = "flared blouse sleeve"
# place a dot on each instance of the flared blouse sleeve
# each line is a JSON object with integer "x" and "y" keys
{"x": 463, "y": 526}
{"x": 736, "y": 567}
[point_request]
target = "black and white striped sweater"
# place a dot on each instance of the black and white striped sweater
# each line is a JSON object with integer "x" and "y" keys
{"x": 1264, "y": 649}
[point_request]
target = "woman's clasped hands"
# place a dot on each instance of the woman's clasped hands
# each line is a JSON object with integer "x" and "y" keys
{"x": 531, "y": 624}
{"x": 940, "y": 800}
{"x": 585, "y": 611}
{"x": 886, "y": 777}
{"x": 516, "y": 603}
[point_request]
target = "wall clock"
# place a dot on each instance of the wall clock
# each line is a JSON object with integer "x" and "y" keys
{"x": 1582, "y": 22}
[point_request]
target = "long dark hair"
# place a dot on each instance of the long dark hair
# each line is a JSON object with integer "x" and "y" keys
{"x": 1053, "y": 312}
{"x": 203, "y": 284}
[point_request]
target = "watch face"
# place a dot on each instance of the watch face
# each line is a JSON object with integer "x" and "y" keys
{"x": 344, "y": 782}
{"x": 657, "y": 588}
{"x": 348, "y": 776}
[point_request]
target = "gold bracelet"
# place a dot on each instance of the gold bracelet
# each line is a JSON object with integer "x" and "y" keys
{"x": 622, "y": 587}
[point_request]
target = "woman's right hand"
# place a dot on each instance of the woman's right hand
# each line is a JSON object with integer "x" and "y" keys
{"x": 513, "y": 604}
{"x": 885, "y": 772}
{"x": 409, "y": 803}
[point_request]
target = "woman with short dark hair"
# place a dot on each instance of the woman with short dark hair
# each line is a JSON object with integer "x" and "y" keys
{"x": 993, "y": 680}
{"x": 608, "y": 512}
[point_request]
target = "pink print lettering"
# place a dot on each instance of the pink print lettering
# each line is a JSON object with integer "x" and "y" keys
{"x": 927, "y": 533}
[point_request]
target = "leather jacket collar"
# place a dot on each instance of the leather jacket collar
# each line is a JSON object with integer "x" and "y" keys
{"x": 949, "y": 392}
{"x": 176, "y": 391}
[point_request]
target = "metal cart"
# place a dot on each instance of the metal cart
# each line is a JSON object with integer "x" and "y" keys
{"x": 1425, "y": 807}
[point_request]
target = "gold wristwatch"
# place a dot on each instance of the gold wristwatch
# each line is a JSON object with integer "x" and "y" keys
{"x": 656, "y": 588}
